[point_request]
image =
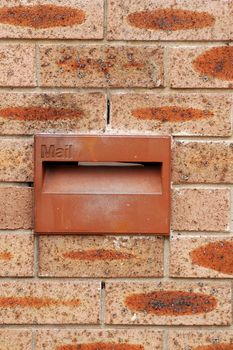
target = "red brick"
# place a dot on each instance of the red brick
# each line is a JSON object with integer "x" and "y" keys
{"x": 16, "y": 159}
{"x": 70, "y": 19}
{"x": 49, "y": 302}
{"x": 201, "y": 340}
{"x": 15, "y": 207}
{"x": 16, "y": 254}
{"x": 203, "y": 162}
{"x": 198, "y": 257}
{"x": 201, "y": 209}
{"x": 80, "y": 256}
{"x": 168, "y": 303}
{"x": 15, "y": 339}
{"x": 201, "y": 67}
{"x": 130, "y": 339}
{"x": 180, "y": 20}
{"x": 17, "y": 65}
{"x": 101, "y": 66}
{"x": 29, "y": 113}
{"x": 176, "y": 114}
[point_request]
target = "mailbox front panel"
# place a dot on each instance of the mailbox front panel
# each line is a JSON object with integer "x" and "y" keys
{"x": 102, "y": 184}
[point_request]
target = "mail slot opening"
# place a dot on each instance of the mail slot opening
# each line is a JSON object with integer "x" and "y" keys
{"x": 102, "y": 177}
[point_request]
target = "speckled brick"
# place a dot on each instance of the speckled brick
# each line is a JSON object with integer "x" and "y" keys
{"x": 203, "y": 162}
{"x": 16, "y": 159}
{"x": 15, "y": 339}
{"x": 101, "y": 66}
{"x": 201, "y": 340}
{"x": 69, "y": 19}
{"x": 16, "y": 254}
{"x": 170, "y": 20}
{"x": 82, "y": 256}
{"x": 201, "y": 209}
{"x": 17, "y": 65}
{"x": 130, "y": 339}
{"x": 29, "y": 113}
{"x": 201, "y": 67}
{"x": 198, "y": 256}
{"x": 49, "y": 302}
{"x": 15, "y": 207}
{"x": 176, "y": 114}
{"x": 168, "y": 303}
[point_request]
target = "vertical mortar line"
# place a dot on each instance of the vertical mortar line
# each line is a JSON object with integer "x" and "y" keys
{"x": 102, "y": 305}
{"x": 165, "y": 339}
{"x": 36, "y": 255}
{"x": 166, "y": 258}
{"x": 105, "y": 19}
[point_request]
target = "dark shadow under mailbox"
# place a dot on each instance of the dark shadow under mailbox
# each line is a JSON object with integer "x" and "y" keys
{"x": 102, "y": 184}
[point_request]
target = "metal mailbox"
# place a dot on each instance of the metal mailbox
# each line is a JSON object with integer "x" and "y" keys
{"x": 102, "y": 184}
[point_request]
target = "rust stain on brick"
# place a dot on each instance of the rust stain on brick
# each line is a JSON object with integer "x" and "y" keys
{"x": 221, "y": 346}
{"x": 101, "y": 346}
{"x": 216, "y": 62}
{"x": 35, "y": 302}
{"x": 171, "y": 114}
{"x": 171, "y": 303}
{"x": 134, "y": 65}
{"x": 170, "y": 19}
{"x": 42, "y": 16}
{"x": 86, "y": 64}
{"x": 40, "y": 113}
{"x": 215, "y": 255}
{"x": 97, "y": 254}
{"x": 5, "y": 256}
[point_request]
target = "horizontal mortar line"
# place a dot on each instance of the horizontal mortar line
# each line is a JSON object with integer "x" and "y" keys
{"x": 203, "y": 185}
{"x": 203, "y": 234}
{"x": 40, "y": 279}
{"x": 17, "y": 231}
{"x": 194, "y": 138}
{"x": 14, "y": 183}
{"x": 202, "y": 90}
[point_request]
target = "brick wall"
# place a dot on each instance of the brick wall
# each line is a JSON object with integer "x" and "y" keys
{"x": 125, "y": 67}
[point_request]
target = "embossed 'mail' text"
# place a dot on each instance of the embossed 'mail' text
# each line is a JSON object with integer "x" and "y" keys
{"x": 51, "y": 151}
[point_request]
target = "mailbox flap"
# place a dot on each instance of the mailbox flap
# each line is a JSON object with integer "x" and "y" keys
{"x": 102, "y": 184}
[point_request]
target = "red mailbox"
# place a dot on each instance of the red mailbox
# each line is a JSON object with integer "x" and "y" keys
{"x": 102, "y": 184}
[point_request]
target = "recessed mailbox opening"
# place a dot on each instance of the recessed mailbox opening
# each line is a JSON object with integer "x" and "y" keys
{"x": 102, "y": 177}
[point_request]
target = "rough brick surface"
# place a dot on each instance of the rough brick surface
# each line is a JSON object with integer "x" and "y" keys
{"x": 131, "y": 339}
{"x": 16, "y": 159}
{"x": 70, "y": 19}
{"x": 101, "y": 256}
{"x": 208, "y": 257}
{"x": 17, "y": 65}
{"x": 15, "y": 339}
{"x": 49, "y": 302}
{"x": 201, "y": 209}
{"x": 176, "y": 114}
{"x": 16, "y": 254}
{"x": 168, "y": 303}
{"x": 197, "y": 340}
{"x": 15, "y": 207}
{"x": 101, "y": 66}
{"x": 203, "y": 162}
{"x": 201, "y": 67}
{"x": 30, "y": 113}
{"x": 170, "y": 20}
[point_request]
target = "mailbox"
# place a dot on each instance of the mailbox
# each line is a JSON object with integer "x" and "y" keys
{"x": 92, "y": 184}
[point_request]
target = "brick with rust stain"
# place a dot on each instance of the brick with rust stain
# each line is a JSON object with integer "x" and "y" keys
{"x": 49, "y": 302}
{"x": 71, "y": 19}
{"x": 78, "y": 256}
{"x": 159, "y": 20}
{"x": 16, "y": 207}
{"x": 201, "y": 257}
{"x": 201, "y": 209}
{"x": 201, "y": 340}
{"x": 16, "y": 160}
{"x": 29, "y": 113}
{"x": 16, "y": 255}
{"x": 101, "y": 66}
{"x": 202, "y": 162}
{"x": 17, "y": 65}
{"x": 202, "y": 67}
{"x": 16, "y": 339}
{"x": 168, "y": 303}
{"x": 122, "y": 339}
{"x": 176, "y": 114}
